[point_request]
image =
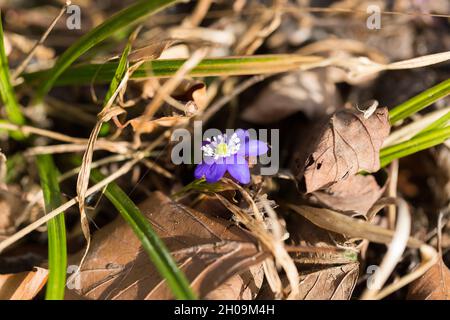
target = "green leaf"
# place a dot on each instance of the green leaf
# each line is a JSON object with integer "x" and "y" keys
{"x": 8, "y": 97}
{"x": 423, "y": 141}
{"x": 164, "y": 68}
{"x": 419, "y": 102}
{"x": 129, "y": 16}
{"x": 56, "y": 229}
{"x": 152, "y": 244}
{"x": 119, "y": 73}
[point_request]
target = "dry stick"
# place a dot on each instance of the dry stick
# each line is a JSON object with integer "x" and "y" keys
{"x": 394, "y": 252}
{"x": 175, "y": 18}
{"x": 198, "y": 15}
{"x": 291, "y": 8}
{"x": 97, "y": 187}
{"x": 30, "y": 55}
{"x": 392, "y": 193}
{"x": 429, "y": 258}
{"x": 64, "y": 148}
{"x": 168, "y": 87}
{"x": 290, "y": 268}
{"x": 77, "y": 143}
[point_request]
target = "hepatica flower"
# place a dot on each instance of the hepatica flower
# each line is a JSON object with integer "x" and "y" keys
{"x": 229, "y": 153}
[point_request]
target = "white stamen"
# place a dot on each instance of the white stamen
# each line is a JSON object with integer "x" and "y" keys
{"x": 222, "y": 146}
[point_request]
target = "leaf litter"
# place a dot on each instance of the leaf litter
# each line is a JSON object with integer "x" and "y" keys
{"x": 306, "y": 232}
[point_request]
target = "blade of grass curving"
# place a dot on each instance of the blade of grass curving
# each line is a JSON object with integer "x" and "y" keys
{"x": 128, "y": 17}
{"x": 423, "y": 141}
{"x": 155, "y": 248}
{"x": 164, "y": 68}
{"x": 419, "y": 102}
{"x": 56, "y": 229}
{"x": 8, "y": 97}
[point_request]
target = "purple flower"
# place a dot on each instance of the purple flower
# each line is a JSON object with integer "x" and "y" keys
{"x": 228, "y": 153}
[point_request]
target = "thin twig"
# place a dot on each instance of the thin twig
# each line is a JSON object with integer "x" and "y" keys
{"x": 30, "y": 54}
{"x": 97, "y": 187}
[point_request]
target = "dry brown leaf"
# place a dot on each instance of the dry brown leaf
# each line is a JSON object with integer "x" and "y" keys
{"x": 322, "y": 244}
{"x": 208, "y": 250}
{"x": 433, "y": 285}
{"x": 355, "y": 195}
{"x": 335, "y": 283}
{"x": 23, "y": 285}
{"x": 192, "y": 90}
{"x": 150, "y": 126}
{"x": 348, "y": 144}
{"x": 302, "y": 91}
{"x": 152, "y": 51}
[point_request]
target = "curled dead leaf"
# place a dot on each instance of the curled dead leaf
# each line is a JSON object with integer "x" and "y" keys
{"x": 348, "y": 144}
{"x": 433, "y": 285}
{"x": 23, "y": 285}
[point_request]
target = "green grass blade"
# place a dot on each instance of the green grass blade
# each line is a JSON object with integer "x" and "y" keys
{"x": 421, "y": 142}
{"x": 128, "y": 17}
{"x": 439, "y": 123}
{"x": 7, "y": 95}
{"x": 120, "y": 71}
{"x": 57, "y": 249}
{"x": 164, "y": 68}
{"x": 157, "y": 251}
{"x": 419, "y": 102}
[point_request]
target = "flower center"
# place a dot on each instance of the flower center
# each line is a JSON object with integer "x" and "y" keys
{"x": 222, "y": 146}
{"x": 222, "y": 149}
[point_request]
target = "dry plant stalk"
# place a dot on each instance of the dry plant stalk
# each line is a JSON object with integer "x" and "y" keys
{"x": 30, "y": 54}
{"x": 394, "y": 252}
{"x": 167, "y": 89}
{"x": 258, "y": 226}
{"x": 125, "y": 168}
{"x": 350, "y": 227}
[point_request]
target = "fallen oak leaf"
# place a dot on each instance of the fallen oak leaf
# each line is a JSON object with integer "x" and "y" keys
{"x": 355, "y": 195}
{"x": 347, "y": 144}
{"x": 330, "y": 283}
{"x": 433, "y": 285}
{"x": 334, "y": 283}
{"x": 208, "y": 250}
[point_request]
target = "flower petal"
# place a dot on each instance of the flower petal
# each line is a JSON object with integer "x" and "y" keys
{"x": 215, "y": 172}
{"x": 201, "y": 170}
{"x": 256, "y": 148}
{"x": 243, "y": 137}
{"x": 241, "y": 134}
{"x": 240, "y": 172}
